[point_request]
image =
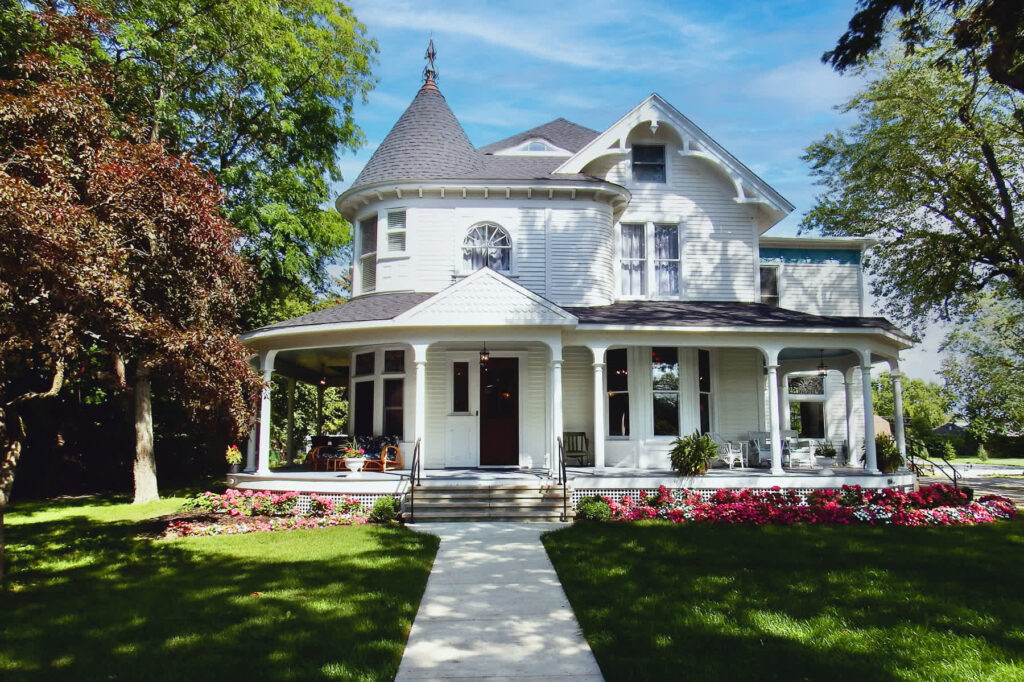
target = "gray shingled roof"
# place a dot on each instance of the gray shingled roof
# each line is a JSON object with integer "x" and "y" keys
{"x": 560, "y": 132}
{"x": 426, "y": 143}
{"x": 720, "y": 313}
{"x": 361, "y": 309}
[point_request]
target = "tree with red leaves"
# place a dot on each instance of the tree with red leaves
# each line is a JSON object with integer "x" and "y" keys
{"x": 107, "y": 242}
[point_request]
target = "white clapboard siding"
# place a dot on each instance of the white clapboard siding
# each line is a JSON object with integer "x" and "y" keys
{"x": 718, "y": 233}
{"x": 580, "y": 248}
{"x": 437, "y": 408}
{"x": 578, "y": 390}
{"x": 820, "y": 289}
{"x": 739, "y": 391}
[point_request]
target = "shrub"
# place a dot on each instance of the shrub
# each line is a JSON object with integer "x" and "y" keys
{"x": 888, "y": 453}
{"x": 385, "y": 509}
{"x": 948, "y": 451}
{"x": 692, "y": 454}
{"x": 982, "y": 452}
{"x": 593, "y": 508}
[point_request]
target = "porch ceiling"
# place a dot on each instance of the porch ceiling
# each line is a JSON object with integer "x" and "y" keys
{"x": 315, "y": 365}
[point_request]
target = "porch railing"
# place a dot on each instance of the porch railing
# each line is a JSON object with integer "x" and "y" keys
{"x": 955, "y": 476}
{"x": 414, "y": 479}
{"x": 563, "y": 479}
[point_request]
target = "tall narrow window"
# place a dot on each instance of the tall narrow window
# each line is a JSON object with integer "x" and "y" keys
{"x": 368, "y": 254}
{"x": 633, "y": 259}
{"x": 487, "y": 245}
{"x": 704, "y": 388}
{"x": 394, "y": 422}
{"x": 770, "y": 284}
{"x": 618, "y": 392}
{"x": 665, "y": 384}
{"x": 460, "y": 387}
{"x": 648, "y": 163}
{"x": 396, "y": 231}
{"x": 362, "y": 422}
{"x": 666, "y": 259}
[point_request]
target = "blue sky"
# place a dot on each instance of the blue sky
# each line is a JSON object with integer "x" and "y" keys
{"x": 747, "y": 72}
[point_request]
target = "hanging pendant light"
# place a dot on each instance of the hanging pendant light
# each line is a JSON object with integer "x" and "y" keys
{"x": 822, "y": 369}
{"x": 484, "y": 355}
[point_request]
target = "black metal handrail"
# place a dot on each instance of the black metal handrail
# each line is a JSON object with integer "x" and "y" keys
{"x": 563, "y": 479}
{"x": 414, "y": 479}
{"x": 955, "y": 478}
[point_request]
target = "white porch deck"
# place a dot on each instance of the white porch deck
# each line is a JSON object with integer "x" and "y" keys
{"x": 579, "y": 478}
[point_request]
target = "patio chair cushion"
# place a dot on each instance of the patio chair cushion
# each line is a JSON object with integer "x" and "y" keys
{"x": 372, "y": 445}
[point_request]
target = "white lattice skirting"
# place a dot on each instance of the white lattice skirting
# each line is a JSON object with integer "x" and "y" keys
{"x": 577, "y": 494}
{"x": 364, "y": 499}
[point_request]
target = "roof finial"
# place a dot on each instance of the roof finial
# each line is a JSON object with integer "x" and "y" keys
{"x": 429, "y": 72}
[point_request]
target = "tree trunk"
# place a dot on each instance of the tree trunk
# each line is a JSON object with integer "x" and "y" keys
{"x": 10, "y": 441}
{"x": 145, "y": 460}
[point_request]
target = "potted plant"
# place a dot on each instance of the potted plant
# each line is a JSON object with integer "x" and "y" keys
{"x": 233, "y": 456}
{"x": 354, "y": 459}
{"x": 692, "y": 454}
{"x": 887, "y": 453}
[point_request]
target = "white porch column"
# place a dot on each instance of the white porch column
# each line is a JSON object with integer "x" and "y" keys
{"x": 600, "y": 400}
{"x": 290, "y": 436}
{"x": 870, "y": 454}
{"x": 263, "y": 450}
{"x": 556, "y": 403}
{"x": 852, "y": 456}
{"x": 773, "y": 412}
{"x": 419, "y": 358}
{"x": 897, "y": 402}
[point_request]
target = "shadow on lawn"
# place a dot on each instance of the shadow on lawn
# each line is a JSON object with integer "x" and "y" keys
{"x": 809, "y": 602}
{"x": 92, "y": 602}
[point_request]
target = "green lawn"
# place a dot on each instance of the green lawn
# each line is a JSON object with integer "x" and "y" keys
{"x": 1002, "y": 461}
{"x": 87, "y": 601}
{"x": 660, "y": 602}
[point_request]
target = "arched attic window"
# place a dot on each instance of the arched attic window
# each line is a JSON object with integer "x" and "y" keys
{"x": 487, "y": 245}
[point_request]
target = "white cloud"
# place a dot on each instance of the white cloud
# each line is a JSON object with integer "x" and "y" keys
{"x": 806, "y": 84}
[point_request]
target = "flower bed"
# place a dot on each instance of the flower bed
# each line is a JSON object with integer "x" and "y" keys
{"x": 934, "y": 505}
{"x": 236, "y": 512}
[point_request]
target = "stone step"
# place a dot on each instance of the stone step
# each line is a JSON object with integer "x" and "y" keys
{"x": 489, "y": 504}
{"x": 455, "y": 499}
{"x": 465, "y": 489}
{"x": 433, "y": 516}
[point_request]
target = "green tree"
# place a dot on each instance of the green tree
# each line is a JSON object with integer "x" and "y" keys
{"x": 931, "y": 170}
{"x": 924, "y": 403}
{"x": 108, "y": 243}
{"x": 335, "y": 414}
{"x": 261, "y": 93}
{"x": 993, "y": 30}
{"x": 983, "y": 366}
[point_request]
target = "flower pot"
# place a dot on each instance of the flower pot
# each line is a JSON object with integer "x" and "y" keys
{"x": 235, "y": 468}
{"x": 354, "y": 465}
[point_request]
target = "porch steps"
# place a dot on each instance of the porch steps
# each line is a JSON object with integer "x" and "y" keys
{"x": 491, "y": 503}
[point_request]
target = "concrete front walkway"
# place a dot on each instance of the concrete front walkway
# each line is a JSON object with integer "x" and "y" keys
{"x": 494, "y": 610}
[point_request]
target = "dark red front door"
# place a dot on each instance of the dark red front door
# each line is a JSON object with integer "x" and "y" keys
{"x": 499, "y": 412}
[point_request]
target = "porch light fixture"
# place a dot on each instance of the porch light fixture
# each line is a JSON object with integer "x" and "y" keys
{"x": 323, "y": 375}
{"x": 822, "y": 369}
{"x": 484, "y": 355}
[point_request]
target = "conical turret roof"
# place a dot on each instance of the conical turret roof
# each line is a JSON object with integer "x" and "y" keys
{"x": 427, "y": 143}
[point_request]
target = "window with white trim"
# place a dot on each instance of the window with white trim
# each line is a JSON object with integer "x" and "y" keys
{"x": 633, "y": 260}
{"x": 648, "y": 163}
{"x": 379, "y": 392}
{"x": 704, "y": 388}
{"x": 368, "y": 254}
{"x": 649, "y": 259}
{"x": 665, "y": 390}
{"x": 487, "y": 245}
{"x": 396, "y": 231}
{"x": 770, "y": 285}
{"x": 617, "y": 382}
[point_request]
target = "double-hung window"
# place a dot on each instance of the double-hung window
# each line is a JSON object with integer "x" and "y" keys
{"x": 704, "y": 388}
{"x": 649, "y": 259}
{"x": 379, "y": 393}
{"x": 368, "y": 254}
{"x": 617, "y": 382}
{"x": 665, "y": 385}
{"x": 363, "y": 377}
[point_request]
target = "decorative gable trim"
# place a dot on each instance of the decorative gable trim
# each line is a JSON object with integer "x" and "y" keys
{"x": 749, "y": 188}
{"x": 485, "y": 298}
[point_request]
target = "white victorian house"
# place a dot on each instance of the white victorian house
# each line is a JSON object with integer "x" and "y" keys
{"x": 613, "y": 283}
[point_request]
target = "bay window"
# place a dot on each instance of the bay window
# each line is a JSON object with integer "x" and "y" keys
{"x": 378, "y": 395}
{"x": 665, "y": 385}
{"x": 617, "y": 381}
